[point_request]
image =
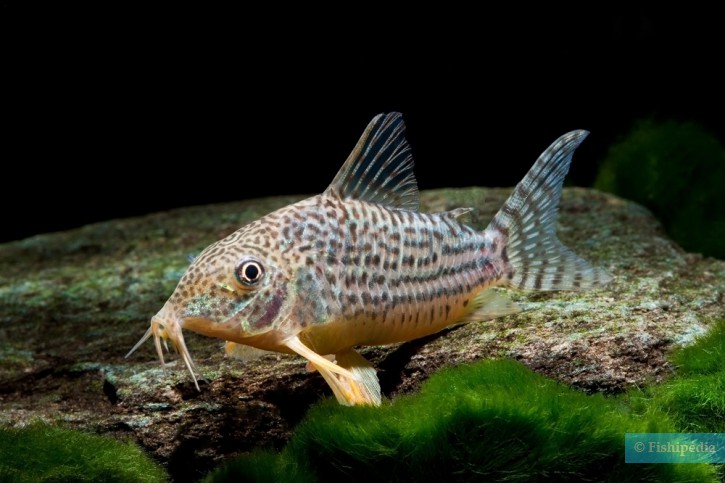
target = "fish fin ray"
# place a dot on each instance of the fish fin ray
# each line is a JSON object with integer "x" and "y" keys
{"x": 380, "y": 167}
{"x": 488, "y": 305}
{"x": 348, "y": 387}
{"x": 338, "y": 389}
{"x": 527, "y": 222}
{"x": 243, "y": 352}
{"x": 312, "y": 368}
{"x": 296, "y": 345}
{"x": 366, "y": 374}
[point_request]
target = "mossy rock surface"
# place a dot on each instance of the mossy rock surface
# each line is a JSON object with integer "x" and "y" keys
{"x": 74, "y": 303}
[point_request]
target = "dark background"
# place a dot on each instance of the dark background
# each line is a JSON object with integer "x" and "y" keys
{"x": 112, "y": 113}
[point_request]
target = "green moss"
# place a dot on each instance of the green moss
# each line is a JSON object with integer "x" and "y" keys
{"x": 695, "y": 397}
{"x": 705, "y": 356}
{"x": 262, "y": 466}
{"x": 697, "y": 403}
{"x": 491, "y": 420}
{"x": 44, "y": 453}
{"x": 677, "y": 170}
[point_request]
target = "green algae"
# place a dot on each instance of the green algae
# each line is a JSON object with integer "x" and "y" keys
{"x": 498, "y": 420}
{"x": 490, "y": 420}
{"x": 705, "y": 356}
{"x": 677, "y": 170}
{"x": 264, "y": 466}
{"x": 42, "y": 453}
{"x": 695, "y": 396}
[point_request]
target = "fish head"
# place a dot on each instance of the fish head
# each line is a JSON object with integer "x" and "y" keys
{"x": 235, "y": 290}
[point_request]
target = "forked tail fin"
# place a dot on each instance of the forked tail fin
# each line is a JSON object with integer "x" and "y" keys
{"x": 536, "y": 259}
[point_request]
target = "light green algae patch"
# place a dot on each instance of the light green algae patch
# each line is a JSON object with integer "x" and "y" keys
{"x": 493, "y": 420}
{"x": 41, "y": 453}
{"x": 72, "y": 304}
{"x": 677, "y": 169}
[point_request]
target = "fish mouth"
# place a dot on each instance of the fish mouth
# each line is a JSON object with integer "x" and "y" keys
{"x": 166, "y": 329}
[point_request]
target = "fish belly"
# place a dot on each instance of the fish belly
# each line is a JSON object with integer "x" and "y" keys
{"x": 389, "y": 325}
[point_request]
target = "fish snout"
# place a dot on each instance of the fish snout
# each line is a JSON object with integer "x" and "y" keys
{"x": 166, "y": 327}
{"x": 170, "y": 329}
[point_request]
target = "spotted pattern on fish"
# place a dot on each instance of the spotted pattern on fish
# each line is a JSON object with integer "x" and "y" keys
{"x": 360, "y": 265}
{"x": 389, "y": 271}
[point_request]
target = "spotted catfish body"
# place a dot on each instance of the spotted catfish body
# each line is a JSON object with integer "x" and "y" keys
{"x": 360, "y": 265}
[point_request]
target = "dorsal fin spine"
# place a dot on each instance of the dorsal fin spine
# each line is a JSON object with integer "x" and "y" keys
{"x": 380, "y": 167}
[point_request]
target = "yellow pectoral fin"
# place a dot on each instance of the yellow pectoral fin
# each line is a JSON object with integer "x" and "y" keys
{"x": 342, "y": 391}
{"x": 349, "y": 388}
{"x": 319, "y": 361}
{"x": 369, "y": 389}
{"x": 311, "y": 367}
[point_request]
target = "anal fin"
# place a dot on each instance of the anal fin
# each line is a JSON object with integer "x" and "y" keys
{"x": 488, "y": 305}
{"x": 243, "y": 352}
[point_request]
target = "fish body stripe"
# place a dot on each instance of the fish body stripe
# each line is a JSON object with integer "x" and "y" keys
{"x": 526, "y": 224}
{"x": 389, "y": 273}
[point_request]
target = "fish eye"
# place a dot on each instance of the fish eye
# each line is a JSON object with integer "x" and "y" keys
{"x": 249, "y": 272}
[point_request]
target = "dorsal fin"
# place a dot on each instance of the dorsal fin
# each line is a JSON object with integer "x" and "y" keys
{"x": 380, "y": 167}
{"x": 462, "y": 215}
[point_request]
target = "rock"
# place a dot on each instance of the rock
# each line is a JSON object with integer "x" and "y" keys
{"x": 74, "y": 303}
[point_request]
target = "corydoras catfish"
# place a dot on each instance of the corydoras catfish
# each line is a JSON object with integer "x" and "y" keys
{"x": 359, "y": 265}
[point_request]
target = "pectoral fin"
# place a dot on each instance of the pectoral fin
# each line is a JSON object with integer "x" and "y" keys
{"x": 361, "y": 368}
{"x": 350, "y": 387}
{"x": 311, "y": 367}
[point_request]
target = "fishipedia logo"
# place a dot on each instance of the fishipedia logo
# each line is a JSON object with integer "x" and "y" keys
{"x": 674, "y": 448}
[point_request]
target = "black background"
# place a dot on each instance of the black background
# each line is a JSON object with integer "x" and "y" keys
{"x": 112, "y": 113}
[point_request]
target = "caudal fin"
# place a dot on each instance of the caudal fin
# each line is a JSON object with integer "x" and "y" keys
{"x": 536, "y": 259}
